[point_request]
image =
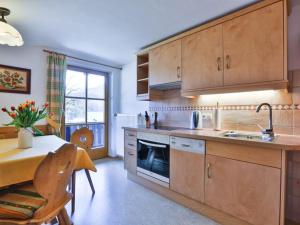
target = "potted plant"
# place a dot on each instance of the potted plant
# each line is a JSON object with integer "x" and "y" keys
{"x": 24, "y": 117}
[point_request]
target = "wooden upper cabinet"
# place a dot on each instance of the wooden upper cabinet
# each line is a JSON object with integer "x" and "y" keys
{"x": 202, "y": 59}
{"x": 254, "y": 46}
{"x": 165, "y": 64}
{"x": 247, "y": 191}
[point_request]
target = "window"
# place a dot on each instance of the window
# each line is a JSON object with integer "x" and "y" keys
{"x": 85, "y": 103}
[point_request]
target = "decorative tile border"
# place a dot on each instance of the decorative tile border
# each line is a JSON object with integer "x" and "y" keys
{"x": 223, "y": 107}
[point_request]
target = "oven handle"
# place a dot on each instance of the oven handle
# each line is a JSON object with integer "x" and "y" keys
{"x": 153, "y": 145}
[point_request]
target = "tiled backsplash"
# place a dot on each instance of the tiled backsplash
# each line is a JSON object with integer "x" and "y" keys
{"x": 239, "y": 113}
{"x": 238, "y": 109}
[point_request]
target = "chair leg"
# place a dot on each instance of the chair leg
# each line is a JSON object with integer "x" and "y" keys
{"x": 73, "y": 191}
{"x": 64, "y": 218}
{"x": 87, "y": 172}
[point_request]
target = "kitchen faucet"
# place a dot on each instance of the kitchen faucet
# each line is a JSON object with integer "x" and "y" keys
{"x": 268, "y": 132}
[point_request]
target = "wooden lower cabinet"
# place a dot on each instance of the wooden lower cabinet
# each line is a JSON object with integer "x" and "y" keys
{"x": 244, "y": 190}
{"x": 187, "y": 174}
{"x": 130, "y": 160}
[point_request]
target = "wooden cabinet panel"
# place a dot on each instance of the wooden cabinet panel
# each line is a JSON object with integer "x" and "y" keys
{"x": 202, "y": 59}
{"x": 130, "y": 160}
{"x": 253, "y": 46}
{"x": 187, "y": 174}
{"x": 247, "y": 191}
{"x": 165, "y": 63}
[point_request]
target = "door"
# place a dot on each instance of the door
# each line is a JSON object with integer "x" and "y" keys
{"x": 165, "y": 63}
{"x": 86, "y": 106}
{"x": 187, "y": 174}
{"x": 202, "y": 59}
{"x": 253, "y": 46}
{"x": 247, "y": 191}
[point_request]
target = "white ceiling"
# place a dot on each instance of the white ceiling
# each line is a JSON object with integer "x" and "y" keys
{"x": 110, "y": 29}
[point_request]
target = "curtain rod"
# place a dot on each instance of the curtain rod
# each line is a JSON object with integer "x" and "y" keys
{"x": 84, "y": 60}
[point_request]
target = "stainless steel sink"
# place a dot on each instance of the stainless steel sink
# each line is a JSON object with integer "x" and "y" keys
{"x": 246, "y": 136}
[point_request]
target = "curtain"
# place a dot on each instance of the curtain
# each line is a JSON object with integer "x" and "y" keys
{"x": 56, "y": 73}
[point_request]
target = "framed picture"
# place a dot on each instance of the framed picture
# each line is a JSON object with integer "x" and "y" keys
{"x": 14, "y": 79}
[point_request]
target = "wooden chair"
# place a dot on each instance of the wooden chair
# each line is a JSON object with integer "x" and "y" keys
{"x": 83, "y": 138}
{"x": 54, "y": 125}
{"x": 50, "y": 181}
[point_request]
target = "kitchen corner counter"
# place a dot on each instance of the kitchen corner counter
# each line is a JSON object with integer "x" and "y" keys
{"x": 281, "y": 141}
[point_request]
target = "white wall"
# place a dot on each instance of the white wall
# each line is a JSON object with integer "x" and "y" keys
{"x": 35, "y": 59}
{"x": 32, "y": 58}
{"x": 129, "y": 104}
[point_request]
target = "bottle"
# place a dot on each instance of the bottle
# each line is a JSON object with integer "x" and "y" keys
{"x": 147, "y": 118}
{"x": 155, "y": 120}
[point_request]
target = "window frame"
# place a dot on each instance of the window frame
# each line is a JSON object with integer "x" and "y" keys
{"x": 86, "y": 71}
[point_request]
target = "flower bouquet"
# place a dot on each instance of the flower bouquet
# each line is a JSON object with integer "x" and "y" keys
{"x": 24, "y": 117}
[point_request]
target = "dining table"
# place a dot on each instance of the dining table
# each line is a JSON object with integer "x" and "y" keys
{"x": 19, "y": 165}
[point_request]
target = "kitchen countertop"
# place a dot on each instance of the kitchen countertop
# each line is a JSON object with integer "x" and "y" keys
{"x": 281, "y": 141}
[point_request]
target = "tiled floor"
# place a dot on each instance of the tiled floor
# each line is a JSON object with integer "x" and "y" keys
{"x": 119, "y": 201}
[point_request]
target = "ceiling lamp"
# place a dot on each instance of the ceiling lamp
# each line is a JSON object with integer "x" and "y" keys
{"x": 8, "y": 34}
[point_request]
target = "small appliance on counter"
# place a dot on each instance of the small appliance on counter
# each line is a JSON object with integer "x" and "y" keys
{"x": 196, "y": 120}
{"x": 217, "y": 117}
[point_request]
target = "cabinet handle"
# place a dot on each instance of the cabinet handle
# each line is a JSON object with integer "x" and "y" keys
{"x": 178, "y": 72}
{"x": 185, "y": 145}
{"x": 228, "y": 62}
{"x": 219, "y": 63}
{"x": 208, "y": 170}
{"x": 131, "y": 154}
{"x": 131, "y": 145}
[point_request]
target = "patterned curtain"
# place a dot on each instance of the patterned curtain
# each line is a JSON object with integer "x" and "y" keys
{"x": 56, "y": 73}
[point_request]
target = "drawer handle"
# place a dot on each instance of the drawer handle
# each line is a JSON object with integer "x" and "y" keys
{"x": 185, "y": 145}
{"x": 208, "y": 170}
{"x": 131, "y": 135}
{"x": 131, "y": 154}
{"x": 130, "y": 144}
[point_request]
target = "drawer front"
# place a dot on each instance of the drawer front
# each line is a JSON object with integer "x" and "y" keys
{"x": 252, "y": 154}
{"x": 130, "y": 143}
{"x": 130, "y": 134}
{"x": 130, "y": 160}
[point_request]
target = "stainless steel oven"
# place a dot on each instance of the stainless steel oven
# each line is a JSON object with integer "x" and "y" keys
{"x": 153, "y": 156}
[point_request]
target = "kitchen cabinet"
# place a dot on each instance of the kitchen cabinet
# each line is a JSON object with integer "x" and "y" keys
{"x": 244, "y": 190}
{"x": 187, "y": 167}
{"x": 202, "y": 59}
{"x": 130, "y": 151}
{"x": 253, "y": 47}
{"x": 165, "y": 64}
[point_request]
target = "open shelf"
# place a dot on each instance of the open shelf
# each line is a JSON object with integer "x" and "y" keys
{"x": 143, "y": 80}
{"x": 146, "y": 64}
{"x": 143, "y": 77}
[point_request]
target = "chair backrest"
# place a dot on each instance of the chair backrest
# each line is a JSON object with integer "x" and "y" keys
{"x": 54, "y": 125}
{"x": 52, "y": 177}
{"x": 83, "y": 138}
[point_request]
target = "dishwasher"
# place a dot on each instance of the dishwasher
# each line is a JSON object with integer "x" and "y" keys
{"x": 187, "y": 167}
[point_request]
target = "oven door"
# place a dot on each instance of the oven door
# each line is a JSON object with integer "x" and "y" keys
{"x": 153, "y": 159}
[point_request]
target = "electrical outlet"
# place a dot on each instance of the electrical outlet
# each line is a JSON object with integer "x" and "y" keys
{"x": 207, "y": 116}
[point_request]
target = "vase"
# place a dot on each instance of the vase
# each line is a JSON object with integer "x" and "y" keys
{"x": 25, "y": 138}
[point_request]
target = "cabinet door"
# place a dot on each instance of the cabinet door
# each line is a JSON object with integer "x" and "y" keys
{"x": 247, "y": 191}
{"x": 130, "y": 160}
{"x": 253, "y": 46}
{"x": 202, "y": 59}
{"x": 165, "y": 63}
{"x": 187, "y": 174}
